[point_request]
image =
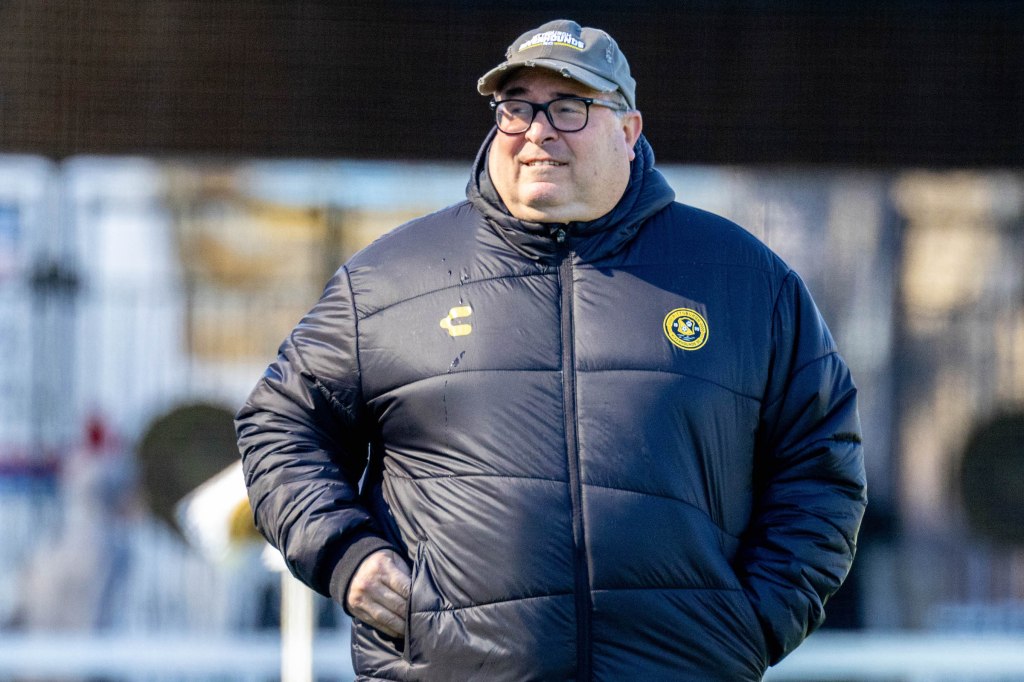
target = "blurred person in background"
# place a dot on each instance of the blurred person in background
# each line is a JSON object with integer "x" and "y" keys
{"x": 72, "y": 582}
{"x": 567, "y": 428}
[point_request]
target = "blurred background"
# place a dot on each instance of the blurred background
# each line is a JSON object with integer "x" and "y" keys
{"x": 179, "y": 179}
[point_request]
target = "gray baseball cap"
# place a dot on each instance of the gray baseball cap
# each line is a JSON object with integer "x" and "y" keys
{"x": 587, "y": 55}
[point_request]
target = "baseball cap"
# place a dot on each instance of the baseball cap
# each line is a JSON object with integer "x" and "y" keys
{"x": 587, "y": 55}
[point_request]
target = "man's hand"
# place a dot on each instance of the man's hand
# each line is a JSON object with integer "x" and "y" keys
{"x": 379, "y": 591}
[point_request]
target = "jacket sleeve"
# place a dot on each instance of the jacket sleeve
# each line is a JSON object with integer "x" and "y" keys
{"x": 809, "y": 477}
{"x": 304, "y": 444}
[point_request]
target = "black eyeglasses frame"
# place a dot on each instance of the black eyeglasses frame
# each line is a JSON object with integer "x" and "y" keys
{"x": 537, "y": 107}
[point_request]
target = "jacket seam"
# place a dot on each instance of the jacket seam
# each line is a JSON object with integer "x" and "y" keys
{"x": 355, "y": 325}
{"x": 584, "y": 371}
{"x": 688, "y": 375}
{"x": 670, "y": 589}
{"x": 454, "y": 476}
{"x": 774, "y": 344}
{"x": 323, "y": 388}
{"x": 467, "y": 607}
{"x": 778, "y": 293}
{"x": 790, "y": 275}
{"x": 384, "y": 394}
{"x": 452, "y": 609}
{"x": 320, "y": 386}
{"x": 850, "y": 543}
{"x": 460, "y": 285}
{"x": 703, "y": 512}
{"x": 593, "y": 265}
{"x": 667, "y": 497}
{"x": 775, "y": 401}
{"x": 815, "y": 360}
{"x": 849, "y": 540}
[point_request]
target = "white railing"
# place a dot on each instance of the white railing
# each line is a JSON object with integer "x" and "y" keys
{"x": 890, "y": 656}
{"x": 131, "y": 657}
{"x": 904, "y": 656}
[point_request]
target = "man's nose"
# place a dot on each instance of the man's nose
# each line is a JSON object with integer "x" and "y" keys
{"x": 541, "y": 130}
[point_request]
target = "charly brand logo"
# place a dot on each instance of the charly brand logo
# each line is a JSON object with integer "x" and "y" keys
{"x": 453, "y": 323}
{"x": 686, "y": 329}
{"x": 553, "y": 38}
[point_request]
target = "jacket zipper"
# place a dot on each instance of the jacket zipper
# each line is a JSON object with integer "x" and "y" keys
{"x": 581, "y": 572}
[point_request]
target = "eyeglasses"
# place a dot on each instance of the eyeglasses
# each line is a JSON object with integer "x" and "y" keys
{"x": 565, "y": 114}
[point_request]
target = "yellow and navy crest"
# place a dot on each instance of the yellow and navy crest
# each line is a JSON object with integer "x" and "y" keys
{"x": 686, "y": 329}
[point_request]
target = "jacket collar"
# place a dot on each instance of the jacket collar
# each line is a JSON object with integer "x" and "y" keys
{"x": 646, "y": 194}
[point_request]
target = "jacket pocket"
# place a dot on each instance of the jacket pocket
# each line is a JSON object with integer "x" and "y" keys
{"x": 420, "y": 599}
{"x": 416, "y": 577}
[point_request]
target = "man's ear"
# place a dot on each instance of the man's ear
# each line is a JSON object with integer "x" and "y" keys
{"x": 632, "y": 126}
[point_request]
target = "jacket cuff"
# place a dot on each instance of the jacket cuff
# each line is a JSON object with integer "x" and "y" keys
{"x": 348, "y": 562}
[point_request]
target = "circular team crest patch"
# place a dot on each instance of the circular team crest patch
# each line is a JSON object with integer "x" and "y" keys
{"x": 686, "y": 329}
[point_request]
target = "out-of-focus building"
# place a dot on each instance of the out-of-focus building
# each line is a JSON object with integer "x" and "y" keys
{"x": 959, "y": 365}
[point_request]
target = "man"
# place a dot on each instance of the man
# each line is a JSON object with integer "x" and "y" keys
{"x": 568, "y": 428}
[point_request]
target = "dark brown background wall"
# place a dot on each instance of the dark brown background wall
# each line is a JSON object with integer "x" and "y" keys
{"x": 900, "y": 83}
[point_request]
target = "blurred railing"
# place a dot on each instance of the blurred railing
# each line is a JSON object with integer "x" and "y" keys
{"x": 904, "y": 657}
{"x": 226, "y": 657}
{"x": 860, "y": 657}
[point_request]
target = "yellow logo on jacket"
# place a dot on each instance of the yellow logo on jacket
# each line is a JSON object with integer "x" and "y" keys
{"x": 686, "y": 329}
{"x": 453, "y": 322}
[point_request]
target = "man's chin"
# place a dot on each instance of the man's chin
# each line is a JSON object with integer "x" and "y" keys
{"x": 542, "y": 214}
{"x": 544, "y": 205}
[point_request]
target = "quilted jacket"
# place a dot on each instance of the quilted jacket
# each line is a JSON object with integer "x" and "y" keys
{"x": 619, "y": 450}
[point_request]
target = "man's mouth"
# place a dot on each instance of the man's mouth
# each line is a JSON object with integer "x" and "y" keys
{"x": 535, "y": 164}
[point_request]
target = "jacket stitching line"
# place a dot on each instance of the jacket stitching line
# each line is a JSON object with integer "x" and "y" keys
{"x": 593, "y": 265}
{"x": 666, "y": 497}
{"x": 381, "y": 309}
{"x": 773, "y": 346}
{"x": 849, "y": 541}
{"x": 797, "y": 371}
{"x": 461, "y": 371}
{"x": 320, "y": 386}
{"x": 355, "y": 324}
{"x": 829, "y": 522}
{"x": 790, "y": 275}
{"x": 814, "y": 361}
{"x": 452, "y": 609}
{"x": 584, "y": 371}
{"x": 670, "y": 589}
{"x": 455, "y": 476}
{"x": 557, "y": 480}
{"x": 455, "y": 609}
{"x": 667, "y": 371}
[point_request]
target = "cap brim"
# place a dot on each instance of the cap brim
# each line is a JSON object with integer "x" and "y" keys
{"x": 492, "y": 81}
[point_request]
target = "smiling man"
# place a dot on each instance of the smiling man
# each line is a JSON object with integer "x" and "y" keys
{"x": 545, "y": 174}
{"x": 568, "y": 428}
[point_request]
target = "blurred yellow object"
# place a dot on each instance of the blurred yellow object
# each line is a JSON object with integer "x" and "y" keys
{"x": 241, "y": 527}
{"x": 216, "y": 517}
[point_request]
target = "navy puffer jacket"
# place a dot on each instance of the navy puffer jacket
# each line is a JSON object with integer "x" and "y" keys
{"x": 617, "y": 450}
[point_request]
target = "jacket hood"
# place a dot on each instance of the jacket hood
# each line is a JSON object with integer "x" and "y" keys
{"x": 647, "y": 193}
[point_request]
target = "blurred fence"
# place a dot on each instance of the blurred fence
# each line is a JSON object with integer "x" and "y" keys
{"x": 888, "y": 656}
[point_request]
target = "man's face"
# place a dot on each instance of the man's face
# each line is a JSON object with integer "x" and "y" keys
{"x": 547, "y": 176}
